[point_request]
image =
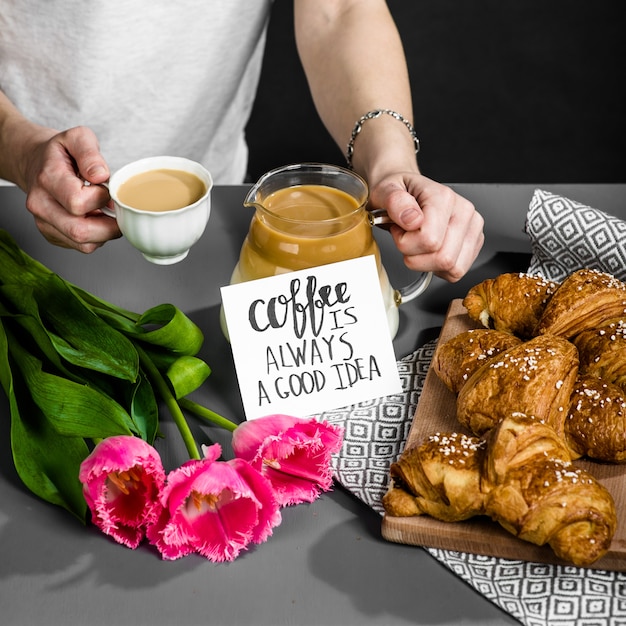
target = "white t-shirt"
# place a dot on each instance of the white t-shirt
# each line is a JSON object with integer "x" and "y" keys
{"x": 150, "y": 78}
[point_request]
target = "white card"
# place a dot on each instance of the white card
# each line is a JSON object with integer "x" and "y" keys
{"x": 312, "y": 340}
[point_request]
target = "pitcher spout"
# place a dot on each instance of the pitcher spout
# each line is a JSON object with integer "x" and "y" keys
{"x": 270, "y": 182}
{"x": 252, "y": 197}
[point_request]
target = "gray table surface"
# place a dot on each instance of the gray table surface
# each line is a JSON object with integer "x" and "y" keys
{"x": 327, "y": 563}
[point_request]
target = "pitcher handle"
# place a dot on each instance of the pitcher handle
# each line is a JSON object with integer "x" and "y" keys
{"x": 380, "y": 218}
{"x": 414, "y": 289}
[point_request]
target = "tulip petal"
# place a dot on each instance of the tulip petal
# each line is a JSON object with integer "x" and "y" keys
{"x": 121, "y": 480}
{"x": 293, "y": 453}
{"x": 269, "y": 513}
{"x": 250, "y": 435}
{"x": 214, "y": 508}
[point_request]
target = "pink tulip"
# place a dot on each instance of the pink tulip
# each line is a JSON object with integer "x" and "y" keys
{"x": 215, "y": 508}
{"x": 293, "y": 453}
{"x": 121, "y": 480}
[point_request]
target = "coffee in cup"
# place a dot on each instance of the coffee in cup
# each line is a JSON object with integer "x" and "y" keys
{"x": 161, "y": 190}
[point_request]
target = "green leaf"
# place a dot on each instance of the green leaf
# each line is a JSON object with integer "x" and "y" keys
{"x": 71, "y": 408}
{"x": 46, "y": 462}
{"x": 76, "y": 333}
{"x": 167, "y": 326}
{"x": 99, "y": 305}
{"x": 38, "y": 335}
{"x": 6, "y": 378}
{"x": 186, "y": 374}
{"x": 87, "y": 340}
{"x": 17, "y": 266}
{"x": 144, "y": 409}
{"x": 163, "y": 326}
{"x": 117, "y": 321}
{"x": 160, "y": 357}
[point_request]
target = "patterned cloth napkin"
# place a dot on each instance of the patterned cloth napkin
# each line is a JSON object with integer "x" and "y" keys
{"x": 565, "y": 236}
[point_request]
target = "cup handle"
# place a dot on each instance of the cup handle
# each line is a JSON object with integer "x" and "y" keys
{"x": 105, "y": 209}
{"x": 380, "y": 218}
{"x": 108, "y": 211}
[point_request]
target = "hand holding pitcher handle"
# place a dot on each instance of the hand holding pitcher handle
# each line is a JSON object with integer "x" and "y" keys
{"x": 380, "y": 218}
{"x": 435, "y": 228}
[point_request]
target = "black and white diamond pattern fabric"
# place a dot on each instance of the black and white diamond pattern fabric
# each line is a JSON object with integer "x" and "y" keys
{"x": 567, "y": 236}
{"x": 543, "y": 595}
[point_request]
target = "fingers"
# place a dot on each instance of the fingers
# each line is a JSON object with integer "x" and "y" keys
{"x": 69, "y": 159}
{"x": 79, "y": 234}
{"x": 435, "y": 229}
{"x": 66, "y": 210}
{"x": 450, "y": 258}
{"x": 85, "y": 233}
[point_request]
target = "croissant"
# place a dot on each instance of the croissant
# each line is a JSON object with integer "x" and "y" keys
{"x": 520, "y": 476}
{"x": 540, "y": 496}
{"x": 512, "y": 302}
{"x": 458, "y": 358}
{"x": 586, "y": 299}
{"x": 440, "y": 478}
{"x": 535, "y": 377}
{"x": 602, "y": 352}
{"x": 595, "y": 426}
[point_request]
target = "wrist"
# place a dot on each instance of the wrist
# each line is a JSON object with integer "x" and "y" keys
{"x": 382, "y": 142}
{"x": 19, "y": 139}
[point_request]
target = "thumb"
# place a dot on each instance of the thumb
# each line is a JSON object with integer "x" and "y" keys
{"x": 401, "y": 206}
{"x": 82, "y": 144}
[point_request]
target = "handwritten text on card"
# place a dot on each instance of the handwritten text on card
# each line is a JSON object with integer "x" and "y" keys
{"x": 312, "y": 340}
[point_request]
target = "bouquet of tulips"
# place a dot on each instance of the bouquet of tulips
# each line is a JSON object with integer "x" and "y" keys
{"x": 85, "y": 380}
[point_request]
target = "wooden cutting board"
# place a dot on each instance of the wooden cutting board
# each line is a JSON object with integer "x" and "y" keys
{"x": 436, "y": 411}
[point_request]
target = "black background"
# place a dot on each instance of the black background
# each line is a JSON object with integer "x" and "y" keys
{"x": 511, "y": 91}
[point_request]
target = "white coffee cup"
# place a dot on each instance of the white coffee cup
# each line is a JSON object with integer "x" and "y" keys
{"x": 163, "y": 237}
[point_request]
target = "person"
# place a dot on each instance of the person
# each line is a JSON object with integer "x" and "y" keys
{"x": 88, "y": 86}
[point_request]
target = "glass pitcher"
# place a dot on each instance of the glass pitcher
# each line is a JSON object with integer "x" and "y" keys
{"x": 312, "y": 214}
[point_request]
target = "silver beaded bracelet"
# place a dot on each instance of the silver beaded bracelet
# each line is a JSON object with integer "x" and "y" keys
{"x": 370, "y": 116}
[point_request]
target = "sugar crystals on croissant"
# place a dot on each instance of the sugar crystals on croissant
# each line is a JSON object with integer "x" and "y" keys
{"x": 512, "y": 302}
{"x": 595, "y": 426}
{"x": 585, "y": 299}
{"x": 535, "y": 377}
{"x": 440, "y": 478}
{"x": 458, "y": 358}
{"x": 602, "y": 352}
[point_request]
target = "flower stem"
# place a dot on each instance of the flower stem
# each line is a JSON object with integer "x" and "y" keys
{"x": 171, "y": 403}
{"x": 207, "y": 414}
